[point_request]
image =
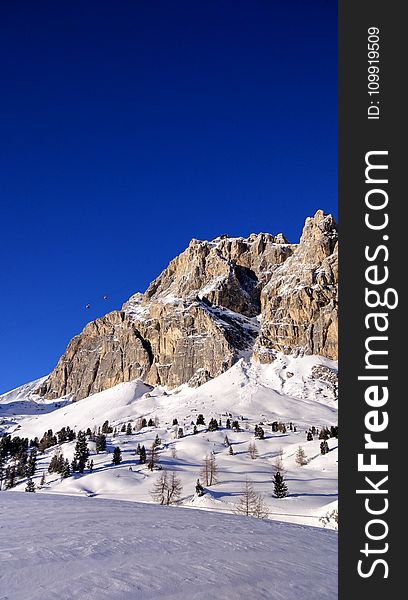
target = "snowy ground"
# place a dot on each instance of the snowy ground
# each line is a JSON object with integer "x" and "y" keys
{"x": 69, "y": 548}
{"x": 259, "y": 393}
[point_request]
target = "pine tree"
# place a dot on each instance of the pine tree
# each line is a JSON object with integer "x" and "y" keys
{"x": 175, "y": 421}
{"x": 129, "y": 429}
{"x": 195, "y": 430}
{"x": 280, "y": 487}
{"x": 42, "y": 482}
{"x": 300, "y": 457}
{"x": 142, "y": 455}
{"x": 100, "y": 443}
{"x": 66, "y": 470}
{"x": 117, "y": 456}
{"x": 231, "y": 451}
{"x": 226, "y": 442}
{"x": 123, "y": 428}
{"x": 228, "y": 424}
{"x": 199, "y": 488}
{"x": 2, "y": 470}
{"x": 259, "y": 432}
{"x": 200, "y": 420}
{"x": 30, "y": 487}
{"x": 309, "y": 437}
{"x": 57, "y": 462}
{"x": 157, "y": 441}
{"x": 81, "y": 453}
{"x": 32, "y": 462}
{"x": 180, "y": 433}
{"x": 11, "y": 476}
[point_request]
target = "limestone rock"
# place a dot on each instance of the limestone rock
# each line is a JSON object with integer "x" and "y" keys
{"x": 203, "y": 311}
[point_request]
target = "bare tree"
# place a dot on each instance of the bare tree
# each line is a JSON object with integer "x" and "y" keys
{"x": 253, "y": 450}
{"x": 139, "y": 424}
{"x": 278, "y": 462}
{"x": 250, "y": 503}
{"x": 209, "y": 470}
{"x": 167, "y": 488}
{"x": 174, "y": 489}
{"x": 173, "y": 452}
{"x": 300, "y": 457}
{"x": 159, "y": 490}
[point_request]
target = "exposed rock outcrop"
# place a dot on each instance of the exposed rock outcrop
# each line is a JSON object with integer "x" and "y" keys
{"x": 299, "y": 303}
{"x": 198, "y": 317}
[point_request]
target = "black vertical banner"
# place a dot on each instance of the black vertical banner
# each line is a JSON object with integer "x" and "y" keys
{"x": 372, "y": 127}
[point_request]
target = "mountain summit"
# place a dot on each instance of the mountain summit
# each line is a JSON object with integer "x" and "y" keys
{"x": 214, "y": 303}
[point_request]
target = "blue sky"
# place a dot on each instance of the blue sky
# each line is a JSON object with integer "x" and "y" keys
{"x": 130, "y": 127}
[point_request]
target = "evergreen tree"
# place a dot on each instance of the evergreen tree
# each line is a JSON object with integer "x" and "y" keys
{"x": 175, "y": 421}
{"x": 123, "y": 428}
{"x": 42, "y": 482}
{"x": 200, "y": 420}
{"x": 180, "y": 432}
{"x": 195, "y": 430}
{"x": 66, "y": 470}
{"x": 228, "y": 424}
{"x": 199, "y": 488}
{"x": 231, "y": 451}
{"x": 117, "y": 456}
{"x": 157, "y": 441}
{"x": 142, "y": 455}
{"x": 100, "y": 443}
{"x": 324, "y": 447}
{"x": 11, "y": 477}
{"x": 235, "y": 426}
{"x": 280, "y": 487}
{"x": 213, "y": 425}
{"x": 30, "y": 487}
{"x": 56, "y": 463}
{"x": 259, "y": 432}
{"x": 309, "y": 437}
{"x": 2, "y": 469}
{"x": 32, "y": 462}
{"x": 129, "y": 429}
{"x": 226, "y": 442}
{"x": 81, "y": 453}
{"x": 106, "y": 428}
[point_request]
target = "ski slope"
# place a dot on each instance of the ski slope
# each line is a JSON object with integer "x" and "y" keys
{"x": 76, "y": 548}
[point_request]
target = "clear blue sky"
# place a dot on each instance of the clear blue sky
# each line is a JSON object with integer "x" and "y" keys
{"x": 127, "y": 128}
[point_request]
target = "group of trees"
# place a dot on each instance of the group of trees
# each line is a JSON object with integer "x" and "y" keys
{"x": 324, "y": 434}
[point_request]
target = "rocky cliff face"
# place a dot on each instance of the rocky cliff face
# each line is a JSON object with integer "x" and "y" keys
{"x": 212, "y": 303}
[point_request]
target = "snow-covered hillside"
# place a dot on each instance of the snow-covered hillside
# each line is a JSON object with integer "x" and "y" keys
{"x": 285, "y": 390}
{"x": 77, "y": 548}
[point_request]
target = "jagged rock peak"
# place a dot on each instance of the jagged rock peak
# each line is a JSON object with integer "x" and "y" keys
{"x": 205, "y": 309}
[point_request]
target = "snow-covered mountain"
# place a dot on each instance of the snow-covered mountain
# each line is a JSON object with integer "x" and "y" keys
{"x": 229, "y": 359}
{"x": 291, "y": 390}
{"x": 214, "y": 303}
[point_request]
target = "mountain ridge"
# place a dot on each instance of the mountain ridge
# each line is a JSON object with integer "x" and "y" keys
{"x": 212, "y": 303}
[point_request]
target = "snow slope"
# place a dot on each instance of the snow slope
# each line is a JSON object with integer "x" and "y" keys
{"x": 258, "y": 393}
{"x": 75, "y": 548}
